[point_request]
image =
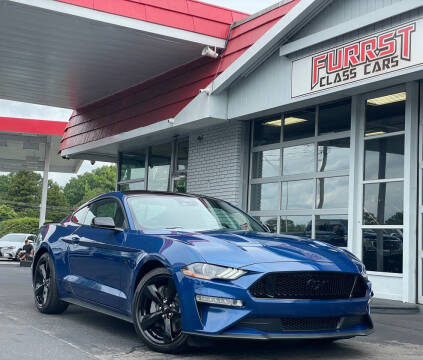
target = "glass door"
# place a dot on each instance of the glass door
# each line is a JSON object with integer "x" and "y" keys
{"x": 387, "y": 217}
{"x": 382, "y": 214}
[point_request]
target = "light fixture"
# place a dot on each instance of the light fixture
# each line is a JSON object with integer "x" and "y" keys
{"x": 209, "y": 52}
{"x": 293, "y": 120}
{"x": 388, "y": 99}
{"x": 218, "y": 301}
{"x": 274, "y": 123}
{"x": 374, "y": 133}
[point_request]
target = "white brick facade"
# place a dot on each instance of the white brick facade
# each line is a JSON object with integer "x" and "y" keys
{"x": 218, "y": 162}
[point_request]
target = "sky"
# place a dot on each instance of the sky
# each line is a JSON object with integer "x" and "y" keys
{"x": 32, "y": 111}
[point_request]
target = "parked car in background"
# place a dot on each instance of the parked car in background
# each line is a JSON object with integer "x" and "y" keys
{"x": 12, "y": 244}
{"x": 177, "y": 265}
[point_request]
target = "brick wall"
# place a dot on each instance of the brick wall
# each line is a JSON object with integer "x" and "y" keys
{"x": 218, "y": 162}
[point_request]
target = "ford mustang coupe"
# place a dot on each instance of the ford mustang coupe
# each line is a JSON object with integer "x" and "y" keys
{"x": 181, "y": 266}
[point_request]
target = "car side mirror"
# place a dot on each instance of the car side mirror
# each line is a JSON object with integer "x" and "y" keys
{"x": 104, "y": 223}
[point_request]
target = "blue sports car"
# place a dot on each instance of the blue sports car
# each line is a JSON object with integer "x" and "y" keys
{"x": 181, "y": 266}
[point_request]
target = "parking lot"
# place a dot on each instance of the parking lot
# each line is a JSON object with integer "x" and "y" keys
{"x": 83, "y": 334}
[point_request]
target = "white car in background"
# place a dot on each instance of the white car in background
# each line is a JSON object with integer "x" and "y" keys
{"x": 12, "y": 244}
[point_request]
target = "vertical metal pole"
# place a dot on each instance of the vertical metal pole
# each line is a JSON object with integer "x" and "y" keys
{"x": 43, "y": 207}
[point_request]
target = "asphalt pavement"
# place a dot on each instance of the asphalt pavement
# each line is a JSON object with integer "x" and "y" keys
{"x": 83, "y": 334}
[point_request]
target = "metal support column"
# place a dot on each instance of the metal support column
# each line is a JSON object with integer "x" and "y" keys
{"x": 43, "y": 206}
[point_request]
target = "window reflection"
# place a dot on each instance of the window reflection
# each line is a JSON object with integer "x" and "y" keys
{"x": 132, "y": 186}
{"x": 384, "y": 158}
{"x": 383, "y": 204}
{"x": 298, "y": 159}
{"x": 297, "y": 194}
{"x": 267, "y": 131}
{"x": 270, "y": 222}
{"x": 132, "y": 166}
{"x": 295, "y": 225}
{"x": 299, "y": 124}
{"x": 335, "y": 117}
{"x": 332, "y": 193}
{"x": 264, "y": 196}
{"x": 382, "y": 250}
{"x": 333, "y": 155}
{"x": 182, "y": 156}
{"x": 385, "y": 114}
{"x": 159, "y": 167}
{"x": 266, "y": 163}
{"x": 332, "y": 229}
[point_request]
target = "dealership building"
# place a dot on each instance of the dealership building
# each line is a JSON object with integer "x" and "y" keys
{"x": 307, "y": 114}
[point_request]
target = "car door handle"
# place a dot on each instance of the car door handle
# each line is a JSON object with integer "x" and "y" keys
{"x": 72, "y": 239}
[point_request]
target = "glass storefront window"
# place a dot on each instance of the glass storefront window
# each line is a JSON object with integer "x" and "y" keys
{"x": 266, "y": 163}
{"x": 132, "y": 186}
{"x": 267, "y": 131}
{"x": 298, "y": 159}
{"x": 332, "y": 229}
{"x": 297, "y": 194}
{"x": 383, "y": 203}
{"x": 332, "y": 193}
{"x": 180, "y": 184}
{"x": 382, "y": 250}
{"x": 182, "y": 156}
{"x": 270, "y": 222}
{"x": 264, "y": 197}
{"x": 384, "y": 158}
{"x": 295, "y": 225}
{"x": 385, "y": 114}
{"x": 333, "y": 155}
{"x": 335, "y": 117}
{"x": 159, "y": 167}
{"x": 299, "y": 124}
{"x": 132, "y": 166}
{"x": 312, "y": 164}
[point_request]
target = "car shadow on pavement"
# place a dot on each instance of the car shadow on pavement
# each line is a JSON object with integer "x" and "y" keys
{"x": 217, "y": 349}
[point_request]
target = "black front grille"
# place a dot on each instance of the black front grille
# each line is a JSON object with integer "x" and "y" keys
{"x": 313, "y": 285}
{"x": 293, "y": 324}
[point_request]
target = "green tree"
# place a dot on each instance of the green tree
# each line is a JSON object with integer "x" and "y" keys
{"x": 22, "y": 225}
{"x": 94, "y": 183}
{"x": 25, "y": 188}
{"x": 6, "y": 213}
{"x": 57, "y": 205}
{"x": 4, "y": 185}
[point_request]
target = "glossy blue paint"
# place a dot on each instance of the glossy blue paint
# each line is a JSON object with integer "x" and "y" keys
{"x": 100, "y": 267}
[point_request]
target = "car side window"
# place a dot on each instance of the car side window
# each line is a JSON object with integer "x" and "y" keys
{"x": 106, "y": 208}
{"x": 79, "y": 216}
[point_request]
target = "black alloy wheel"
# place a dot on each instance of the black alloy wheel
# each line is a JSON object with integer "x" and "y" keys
{"x": 157, "y": 313}
{"x": 45, "y": 288}
{"x": 42, "y": 282}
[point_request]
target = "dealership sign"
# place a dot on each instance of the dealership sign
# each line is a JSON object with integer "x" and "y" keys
{"x": 382, "y": 53}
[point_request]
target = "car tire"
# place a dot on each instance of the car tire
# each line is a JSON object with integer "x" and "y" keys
{"x": 156, "y": 313}
{"x": 46, "y": 296}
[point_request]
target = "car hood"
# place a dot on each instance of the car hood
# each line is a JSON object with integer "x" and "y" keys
{"x": 240, "y": 249}
{"x": 5, "y": 244}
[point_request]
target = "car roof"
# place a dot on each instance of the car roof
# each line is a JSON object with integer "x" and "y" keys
{"x": 121, "y": 194}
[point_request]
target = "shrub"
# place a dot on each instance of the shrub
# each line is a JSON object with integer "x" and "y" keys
{"x": 6, "y": 213}
{"x": 24, "y": 225}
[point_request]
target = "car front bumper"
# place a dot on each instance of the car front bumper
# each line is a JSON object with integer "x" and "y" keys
{"x": 262, "y": 319}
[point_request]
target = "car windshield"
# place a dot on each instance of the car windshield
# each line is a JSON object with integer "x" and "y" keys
{"x": 182, "y": 213}
{"x": 18, "y": 238}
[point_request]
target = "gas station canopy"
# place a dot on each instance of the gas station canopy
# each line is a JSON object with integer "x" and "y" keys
{"x": 23, "y": 145}
{"x": 71, "y": 53}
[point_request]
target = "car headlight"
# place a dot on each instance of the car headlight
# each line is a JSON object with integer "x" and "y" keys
{"x": 9, "y": 248}
{"x": 210, "y": 272}
{"x": 357, "y": 262}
